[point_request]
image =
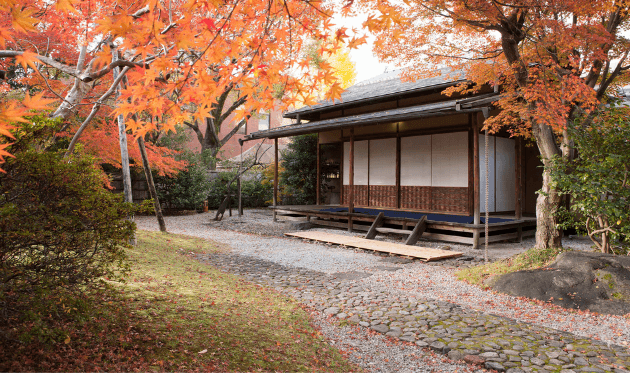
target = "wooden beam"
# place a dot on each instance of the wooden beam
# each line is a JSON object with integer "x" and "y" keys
{"x": 378, "y": 222}
{"x": 351, "y": 179}
{"x": 398, "y": 172}
{"x": 476, "y": 177}
{"x": 275, "y": 178}
{"x": 417, "y": 231}
{"x": 319, "y": 173}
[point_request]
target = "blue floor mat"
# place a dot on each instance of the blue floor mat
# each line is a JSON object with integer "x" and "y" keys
{"x": 417, "y": 215}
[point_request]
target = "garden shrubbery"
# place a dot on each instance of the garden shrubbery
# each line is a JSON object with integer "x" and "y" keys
{"x": 189, "y": 188}
{"x": 59, "y": 225}
{"x": 255, "y": 191}
{"x": 299, "y": 170}
{"x": 61, "y": 232}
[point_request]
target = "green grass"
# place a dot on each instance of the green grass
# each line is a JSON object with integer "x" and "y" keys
{"x": 176, "y": 313}
{"x": 530, "y": 259}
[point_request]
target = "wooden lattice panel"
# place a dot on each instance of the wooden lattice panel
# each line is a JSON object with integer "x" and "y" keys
{"x": 415, "y": 197}
{"x": 449, "y": 199}
{"x": 383, "y": 196}
{"x": 360, "y": 195}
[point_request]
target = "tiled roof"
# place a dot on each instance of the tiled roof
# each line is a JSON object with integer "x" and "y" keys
{"x": 384, "y": 85}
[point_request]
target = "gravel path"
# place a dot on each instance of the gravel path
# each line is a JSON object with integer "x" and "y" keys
{"x": 412, "y": 301}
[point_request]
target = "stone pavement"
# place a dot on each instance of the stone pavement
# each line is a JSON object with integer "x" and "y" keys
{"x": 486, "y": 340}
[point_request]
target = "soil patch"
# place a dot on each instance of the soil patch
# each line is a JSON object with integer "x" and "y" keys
{"x": 580, "y": 280}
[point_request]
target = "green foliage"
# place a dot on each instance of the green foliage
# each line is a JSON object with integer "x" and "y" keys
{"x": 189, "y": 188}
{"x": 530, "y": 259}
{"x": 299, "y": 174}
{"x": 597, "y": 180}
{"x": 255, "y": 191}
{"x": 59, "y": 226}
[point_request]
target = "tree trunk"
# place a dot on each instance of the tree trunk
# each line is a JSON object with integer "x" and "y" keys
{"x": 124, "y": 154}
{"x": 149, "y": 176}
{"x": 548, "y": 235}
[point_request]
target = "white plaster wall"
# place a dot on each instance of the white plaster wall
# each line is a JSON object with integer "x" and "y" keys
{"x": 449, "y": 159}
{"x": 415, "y": 161}
{"x": 360, "y": 163}
{"x": 491, "y": 174}
{"x": 505, "y": 186}
{"x": 383, "y": 162}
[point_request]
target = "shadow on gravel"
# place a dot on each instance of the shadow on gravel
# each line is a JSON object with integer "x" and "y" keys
{"x": 586, "y": 281}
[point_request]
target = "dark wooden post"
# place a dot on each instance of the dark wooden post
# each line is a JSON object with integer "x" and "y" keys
{"x": 518, "y": 190}
{"x": 398, "y": 172}
{"x": 351, "y": 181}
{"x": 518, "y": 209}
{"x": 476, "y": 197}
{"x": 319, "y": 173}
{"x": 275, "y": 178}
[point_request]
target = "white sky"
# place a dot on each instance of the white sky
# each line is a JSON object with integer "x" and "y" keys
{"x": 366, "y": 63}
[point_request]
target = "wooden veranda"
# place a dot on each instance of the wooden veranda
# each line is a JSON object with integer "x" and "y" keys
{"x": 441, "y": 227}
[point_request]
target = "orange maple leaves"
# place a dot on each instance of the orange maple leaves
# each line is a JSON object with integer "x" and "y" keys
{"x": 564, "y": 49}
{"x": 186, "y": 52}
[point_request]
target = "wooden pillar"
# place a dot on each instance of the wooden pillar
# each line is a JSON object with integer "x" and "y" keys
{"x": 275, "y": 178}
{"x": 518, "y": 190}
{"x": 471, "y": 171}
{"x": 319, "y": 173}
{"x": 398, "y": 172}
{"x": 518, "y": 209}
{"x": 351, "y": 180}
{"x": 476, "y": 196}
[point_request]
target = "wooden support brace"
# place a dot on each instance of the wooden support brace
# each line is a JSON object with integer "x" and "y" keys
{"x": 417, "y": 231}
{"x": 377, "y": 223}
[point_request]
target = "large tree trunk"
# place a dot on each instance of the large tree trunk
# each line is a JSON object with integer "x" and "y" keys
{"x": 548, "y": 235}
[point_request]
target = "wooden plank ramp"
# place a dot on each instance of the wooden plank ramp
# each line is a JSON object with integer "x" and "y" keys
{"x": 424, "y": 253}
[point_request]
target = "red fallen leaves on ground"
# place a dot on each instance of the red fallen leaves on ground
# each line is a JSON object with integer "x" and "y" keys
{"x": 474, "y": 359}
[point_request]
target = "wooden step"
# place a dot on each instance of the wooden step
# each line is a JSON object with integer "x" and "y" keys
{"x": 393, "y": 230}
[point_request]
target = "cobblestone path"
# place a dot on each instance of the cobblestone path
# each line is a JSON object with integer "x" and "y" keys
{"x": 486, "y": 340}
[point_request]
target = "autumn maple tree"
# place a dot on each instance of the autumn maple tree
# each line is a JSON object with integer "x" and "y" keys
{"x": 554, "y": 61}
{"x": 176, "y": 58}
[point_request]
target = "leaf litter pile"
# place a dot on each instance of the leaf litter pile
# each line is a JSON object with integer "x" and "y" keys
{"x": 172, "y": 313}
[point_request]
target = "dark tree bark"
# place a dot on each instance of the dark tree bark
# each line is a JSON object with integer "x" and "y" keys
{"x": 152, "y": 191}
{"x": 209, "y": 139}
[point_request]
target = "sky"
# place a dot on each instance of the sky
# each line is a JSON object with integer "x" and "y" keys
{"x": 366, "y": 63}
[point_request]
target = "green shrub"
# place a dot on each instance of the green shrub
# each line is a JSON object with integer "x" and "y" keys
{"x": 255, "y": 192}
{"x": 598, "y": 180}
{"x": 59, "y": 226}
{"x": 188, "y": 189}
{"x": 299, "y": 173}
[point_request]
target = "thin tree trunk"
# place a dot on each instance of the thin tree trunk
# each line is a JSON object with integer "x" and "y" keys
{"x": 149, "y": 176}
{"x": 124, "y": 154}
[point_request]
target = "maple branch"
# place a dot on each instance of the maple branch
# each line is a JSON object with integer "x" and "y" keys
{"x": 234, "y": 106}
{"x": 46, "y": 60}
{"x": 140, "y": 12}
{"x": 211, "y": 131}
{"x": 104, "y": 71}
{"x": 234, "y": 131}
{"x": 95, "y": 109}
{"x": 195, "y": 127}
{"x": 613, "y": 75}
